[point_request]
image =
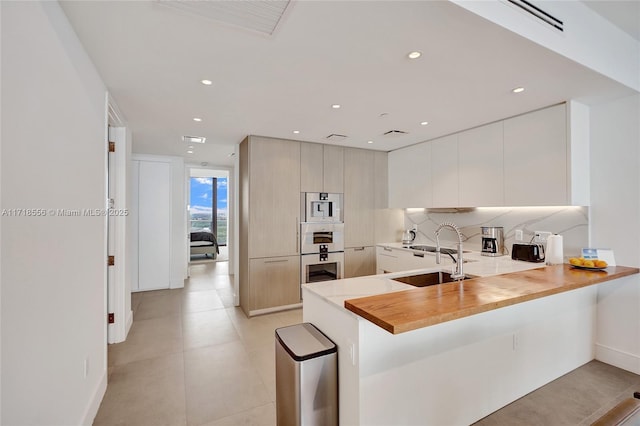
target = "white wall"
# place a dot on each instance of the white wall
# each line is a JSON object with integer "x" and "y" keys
{"x": 587, "y": 39}
{"x": 53, "y": 268}
{"x": 615, "y": 223}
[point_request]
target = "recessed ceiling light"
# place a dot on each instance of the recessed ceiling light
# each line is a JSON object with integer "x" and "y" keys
{"x": 369, "y": 141}
{"x": 189, "y": 152}
{"x": 424, "y": 123}
{"x": 335, "y": 106}
{"x": 296, "y": 131}
{"x": 414, "y": 55}
{"x": 194, "y": 139}
{"x": 190, "y": 146}
{"x": 518, "y": 90}
{"x": 206, "y": 82}
{"x": 198, "y": 119}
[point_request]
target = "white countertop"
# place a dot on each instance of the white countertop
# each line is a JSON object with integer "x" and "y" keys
{"x": 338, "y": 291}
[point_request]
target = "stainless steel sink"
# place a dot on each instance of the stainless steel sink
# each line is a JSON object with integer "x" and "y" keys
{"x": 430, "y": 278}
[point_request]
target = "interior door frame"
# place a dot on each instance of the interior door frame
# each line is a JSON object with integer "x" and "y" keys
{"x": 231, "y": 213}
{"x": 118, "y": 281}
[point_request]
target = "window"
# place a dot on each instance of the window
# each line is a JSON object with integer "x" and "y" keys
{"x": 208, "y": 206}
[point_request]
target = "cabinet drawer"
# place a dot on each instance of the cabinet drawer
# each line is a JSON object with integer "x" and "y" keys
{"x": 275, "y": 281}
{"x": 359, "y": 262}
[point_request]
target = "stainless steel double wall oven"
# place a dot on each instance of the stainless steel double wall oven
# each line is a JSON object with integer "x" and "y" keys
{"x": 321, "y": 237}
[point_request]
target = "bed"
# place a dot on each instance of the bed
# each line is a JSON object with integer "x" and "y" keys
{"x": 204, "y": 243}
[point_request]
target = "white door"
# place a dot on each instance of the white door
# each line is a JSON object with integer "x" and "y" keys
{"x": 154, "y": 225}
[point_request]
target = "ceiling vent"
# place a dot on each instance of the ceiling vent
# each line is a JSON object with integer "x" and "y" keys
{"x": 262, "y": 16}
{"x": 539, "y": 14}
{"x": 395, "y": 133}
{"x": 194, "y": 139}
{"x": 336, "y": 137}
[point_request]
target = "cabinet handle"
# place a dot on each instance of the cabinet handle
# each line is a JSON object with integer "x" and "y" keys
{"x": 358, "y": 249}
{"x": 297, "y": 236}
{"x": 418, "y": 254}
{"x": 386, "y": 249}
{"x": 276, "y": 261}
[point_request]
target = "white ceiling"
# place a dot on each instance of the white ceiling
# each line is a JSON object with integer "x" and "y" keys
{"x": 352, "y": 53}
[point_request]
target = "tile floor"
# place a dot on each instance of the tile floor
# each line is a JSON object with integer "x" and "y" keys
{"x": 192, "y": 358}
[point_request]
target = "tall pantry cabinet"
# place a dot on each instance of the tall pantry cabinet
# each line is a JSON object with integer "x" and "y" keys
{"x": 359, "y": 211}
{"x": 269, "y": 228}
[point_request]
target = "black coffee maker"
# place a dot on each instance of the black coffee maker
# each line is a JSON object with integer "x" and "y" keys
{"x": 492, "y": 240}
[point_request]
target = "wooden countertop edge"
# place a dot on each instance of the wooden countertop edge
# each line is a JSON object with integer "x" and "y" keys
{"x": 583, "y": 279}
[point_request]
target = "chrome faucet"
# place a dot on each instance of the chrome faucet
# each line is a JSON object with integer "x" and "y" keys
{"x": 458, "y": 274}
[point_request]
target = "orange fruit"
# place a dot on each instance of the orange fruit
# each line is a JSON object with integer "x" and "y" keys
{"x": 600, "y": 263}
{"x": 588, "y": 263}
{"x": 575, "y": 261}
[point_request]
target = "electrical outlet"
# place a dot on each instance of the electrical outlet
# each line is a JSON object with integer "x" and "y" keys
{"x": 519, "y": 235}
{"x": 541, "y": 236}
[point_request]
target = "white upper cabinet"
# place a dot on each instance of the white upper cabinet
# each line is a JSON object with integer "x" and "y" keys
{"x": 480, "y": 165}
{"x": 410, "y": 177}
{"x": 444, "y": 171}
{"x": 535, "y": 158}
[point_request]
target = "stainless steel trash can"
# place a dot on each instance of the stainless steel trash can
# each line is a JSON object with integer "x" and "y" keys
{"x": 306, "y": 377}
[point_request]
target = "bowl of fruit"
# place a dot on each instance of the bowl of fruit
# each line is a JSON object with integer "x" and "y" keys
{"x": 588, "y": 264}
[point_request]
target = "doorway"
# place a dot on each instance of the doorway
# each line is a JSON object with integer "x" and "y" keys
{"x": 208, "y": 215}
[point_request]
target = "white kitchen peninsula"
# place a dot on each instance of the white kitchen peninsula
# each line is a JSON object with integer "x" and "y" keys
{"x": 456, "y": 371}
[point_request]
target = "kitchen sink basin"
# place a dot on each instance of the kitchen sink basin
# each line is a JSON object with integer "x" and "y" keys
{"x": 431, "y": 278}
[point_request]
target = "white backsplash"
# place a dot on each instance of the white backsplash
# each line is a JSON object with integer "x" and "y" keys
{"x": 570, "y": 222}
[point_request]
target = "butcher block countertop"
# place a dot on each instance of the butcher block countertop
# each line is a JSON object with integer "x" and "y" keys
{"x": 401, "y": 311}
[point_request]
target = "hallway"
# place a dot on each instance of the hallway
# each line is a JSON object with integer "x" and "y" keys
{"x": 192, "y": 358}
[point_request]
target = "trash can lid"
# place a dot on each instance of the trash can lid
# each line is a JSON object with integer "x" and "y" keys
{"x": 304, "y": 341}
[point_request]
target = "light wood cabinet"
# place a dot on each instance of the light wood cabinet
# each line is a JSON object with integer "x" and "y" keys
{"x": 272, "y": 282}
{"x": 274, "y": 197}
{"x": 381, "y": 180}
{"x": 311, "y": 167}
{"x": 410, "y": 177}
{"x": 480, "y": 166}
{"x": 269, "y": 188}
{"x": 359, "y": 262}
{"x": 359, "y": 197}
{"x": 444, "y": 171}
{"x": 321, "y": 168}
{"x": 333, "y": 169}
{"x": 535, "y": 158}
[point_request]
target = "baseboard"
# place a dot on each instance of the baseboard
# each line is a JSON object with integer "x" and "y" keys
{"x": 276, "y": 309}
{"x": 128, "y": 324}
{"x": 176, "y": 284}
{"x": 617, "y": 358}
{"x": 96, "y": 400}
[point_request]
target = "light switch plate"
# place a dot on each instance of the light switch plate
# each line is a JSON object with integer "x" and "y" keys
{"x": 541, "y": 236}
